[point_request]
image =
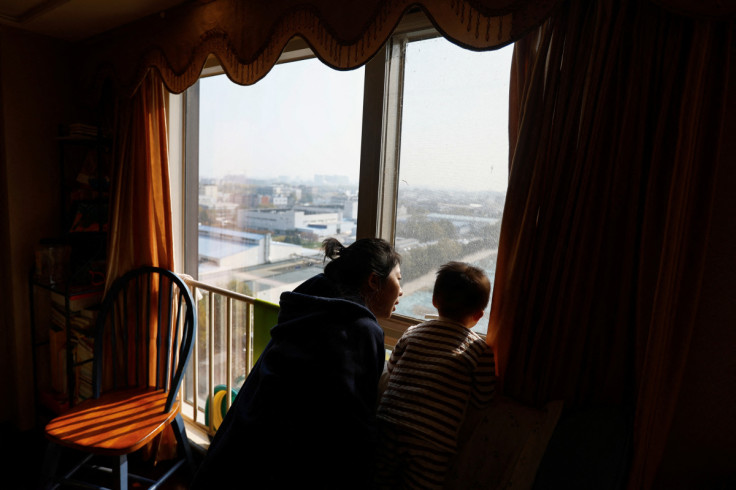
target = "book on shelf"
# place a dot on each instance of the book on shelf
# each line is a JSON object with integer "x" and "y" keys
{"x": 57, "y": 353}
{"x": 80, "y": 322}
{"x": 83, "y": 319}
{"x": 58, "y": 318}
{"x": 83, "y": 347}
{"x": 78, "y": 300}
{"x": 83, "y": 351}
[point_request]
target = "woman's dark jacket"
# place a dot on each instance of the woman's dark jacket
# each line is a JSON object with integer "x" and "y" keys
{"x": 305, "y": 416}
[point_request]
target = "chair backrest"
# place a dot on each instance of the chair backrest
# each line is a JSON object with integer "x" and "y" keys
{"x": 145, "y": 333}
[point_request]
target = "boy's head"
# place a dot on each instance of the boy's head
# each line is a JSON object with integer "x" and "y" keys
{"x": 461, "y": 291}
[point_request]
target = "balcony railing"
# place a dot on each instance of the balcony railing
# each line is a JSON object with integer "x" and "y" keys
{"x": 232, "y": 331}
{"x": 223, "y": 353}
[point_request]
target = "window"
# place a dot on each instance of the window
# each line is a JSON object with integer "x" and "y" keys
{"x": 452, "y": 162}
{"x": 413, "y": 147}
{"x": 278, "y": 170}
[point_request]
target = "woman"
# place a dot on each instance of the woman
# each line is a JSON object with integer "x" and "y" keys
{"x": 305, "y": 416}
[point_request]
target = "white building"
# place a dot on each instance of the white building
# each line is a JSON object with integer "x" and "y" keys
{"x": 223, "y": 249}
{"x": 278, "y": 220}
{"x": 350, "y": 209}
{"x": 226, "y": 254}
{"x": 280, "y": 200}
{"x": 208, "y": 190}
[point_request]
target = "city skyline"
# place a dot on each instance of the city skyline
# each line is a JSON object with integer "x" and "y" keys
{"x": 305, "y": 118}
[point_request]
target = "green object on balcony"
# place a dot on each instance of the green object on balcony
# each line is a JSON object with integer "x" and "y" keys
{"x": 218, "y": 410}
{"x": 265, "y": 316}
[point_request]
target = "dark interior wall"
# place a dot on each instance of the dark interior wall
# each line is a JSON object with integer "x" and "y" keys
{"x": 5, "y": 323}
{"x": 34, "y": 86}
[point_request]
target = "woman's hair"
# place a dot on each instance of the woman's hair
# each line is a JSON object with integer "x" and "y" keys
{"x": 351, "y": 266}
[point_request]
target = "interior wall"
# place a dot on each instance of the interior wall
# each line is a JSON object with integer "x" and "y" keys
{"x": 34, "y": 86}
{"x": 5, "y": 323}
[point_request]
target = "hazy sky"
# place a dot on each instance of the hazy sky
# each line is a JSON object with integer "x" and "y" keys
{"x": 304, "y": 118}
{"x": 455, "y": 120}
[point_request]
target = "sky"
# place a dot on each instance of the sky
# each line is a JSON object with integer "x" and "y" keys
{"x": 304, "y": 118}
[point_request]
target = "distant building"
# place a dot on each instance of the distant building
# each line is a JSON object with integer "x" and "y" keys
{"x": 225, "y": 254}
{"x": 283, "y": 220}
{"x": 460, "y": 219}
{"x": 322, "y": 209}
{"x": 221, "y": 211}
{"x": 220, "y": 248}
{"x": 405, "y": 244}
{"x": 321, "y": 179}
{"x": 350, "y": 209}
{"x": 267, "y": 282}
{"x": 280, "y": 201}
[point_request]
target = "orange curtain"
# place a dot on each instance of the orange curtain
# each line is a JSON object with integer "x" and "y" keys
{"x": 141, "y": 228}
{"x": 141, "y": 223}
{"x": 615, "y": 136}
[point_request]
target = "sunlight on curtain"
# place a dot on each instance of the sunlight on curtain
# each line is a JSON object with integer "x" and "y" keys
{"x": 141, "y": 232}
{"x": 141, "y": 228}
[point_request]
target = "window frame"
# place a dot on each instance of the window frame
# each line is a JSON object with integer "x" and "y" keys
{"x": 379, "y": 155}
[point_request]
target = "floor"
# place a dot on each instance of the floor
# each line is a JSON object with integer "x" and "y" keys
{"x": 26, "y": 458}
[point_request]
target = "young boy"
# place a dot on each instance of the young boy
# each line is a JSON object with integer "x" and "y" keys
{"x": 436, "y": 369}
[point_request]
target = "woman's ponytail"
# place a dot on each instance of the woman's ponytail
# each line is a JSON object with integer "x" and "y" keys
{"x": 333, "y": 248}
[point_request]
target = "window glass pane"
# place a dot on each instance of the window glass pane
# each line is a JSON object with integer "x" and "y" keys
{"x": 453, "y": 164}
{"x": 278, "y": 164}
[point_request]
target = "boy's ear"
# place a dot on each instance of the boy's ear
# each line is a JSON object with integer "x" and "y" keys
{"x": 434, "y": 302}
{"x": 478, "y": 315}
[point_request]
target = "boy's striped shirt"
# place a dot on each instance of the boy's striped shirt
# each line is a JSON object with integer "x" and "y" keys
{"x": 436, "y": 369}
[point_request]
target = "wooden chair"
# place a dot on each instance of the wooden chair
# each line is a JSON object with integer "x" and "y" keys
{"x": 143, "y": 340}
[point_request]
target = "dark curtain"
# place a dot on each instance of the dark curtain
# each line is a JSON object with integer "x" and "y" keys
{"x": 615, "y": 137}
{"x": 248, "y": 36}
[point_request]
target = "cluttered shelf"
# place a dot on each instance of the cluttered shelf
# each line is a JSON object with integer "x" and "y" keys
{"x": 63, "y": 326}
{"x": 67, "y": 282}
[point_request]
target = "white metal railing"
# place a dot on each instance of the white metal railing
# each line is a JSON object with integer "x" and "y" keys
{"x": 228, "y": 315}
{"x": 223, "y": 316}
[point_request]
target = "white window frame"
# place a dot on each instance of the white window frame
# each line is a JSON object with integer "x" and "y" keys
{"x": 381, "y": 145}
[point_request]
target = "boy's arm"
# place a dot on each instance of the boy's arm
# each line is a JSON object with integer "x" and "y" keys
{"x": 484, "y": 379}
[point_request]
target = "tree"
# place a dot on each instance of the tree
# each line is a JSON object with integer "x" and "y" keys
{"x": 427, "y": 230}
{"x": 206, "y": 216}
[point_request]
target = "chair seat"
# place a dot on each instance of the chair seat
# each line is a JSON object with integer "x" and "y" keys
{"x": 117, "y": 423}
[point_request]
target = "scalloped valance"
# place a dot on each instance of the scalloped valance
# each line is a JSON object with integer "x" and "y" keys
{"x": 248, "y": 36}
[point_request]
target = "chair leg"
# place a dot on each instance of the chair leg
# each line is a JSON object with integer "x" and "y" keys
{"x": 180, "y": 433}
{"x": 120, "y": 473}
{"x": 50, "y": 465}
